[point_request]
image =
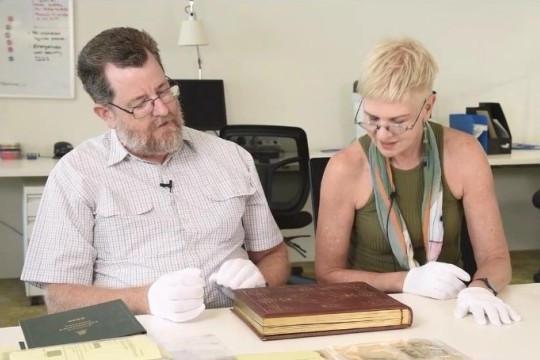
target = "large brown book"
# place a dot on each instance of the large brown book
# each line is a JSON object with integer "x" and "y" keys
{"x": 320, "y": 309}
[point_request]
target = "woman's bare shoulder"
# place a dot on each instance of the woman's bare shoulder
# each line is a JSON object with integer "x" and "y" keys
{"x": 346, "y": 181}
{"x": 465, "y": 161}
{"x": 348, "y": 161}
{"x": 462, "y": 148}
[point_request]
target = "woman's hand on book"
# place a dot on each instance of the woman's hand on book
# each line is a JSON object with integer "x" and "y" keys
{"x": 238, "y": 274}
{"x": 177, "y": 296}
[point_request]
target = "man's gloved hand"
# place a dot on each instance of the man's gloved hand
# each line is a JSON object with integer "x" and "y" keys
{"x": 436, "y": 280}
{"x": 481, "y": 303}
{"x": 237, "y": 274}
{"x": 177, "y": 296}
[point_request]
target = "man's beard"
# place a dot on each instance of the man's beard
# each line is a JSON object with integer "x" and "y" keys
{"x": 147, "y": 144}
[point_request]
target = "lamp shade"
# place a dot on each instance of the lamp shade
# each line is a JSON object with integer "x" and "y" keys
{"x": 192, "y": 33}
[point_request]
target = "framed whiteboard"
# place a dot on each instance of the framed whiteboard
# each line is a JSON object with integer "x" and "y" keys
{"x": 36, "y": 54}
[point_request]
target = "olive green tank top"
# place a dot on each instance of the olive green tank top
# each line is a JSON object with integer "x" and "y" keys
{"x": 369, "y": 249}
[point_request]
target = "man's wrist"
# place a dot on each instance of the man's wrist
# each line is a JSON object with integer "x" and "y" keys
{"x": 487, "y": 283}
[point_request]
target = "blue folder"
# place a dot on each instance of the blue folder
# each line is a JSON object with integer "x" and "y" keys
{"x": 473, "y": 124}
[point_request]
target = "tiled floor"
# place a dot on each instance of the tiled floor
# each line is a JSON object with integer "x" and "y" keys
{"x": 14, "y": 305}
{"x": 524, "y": 265}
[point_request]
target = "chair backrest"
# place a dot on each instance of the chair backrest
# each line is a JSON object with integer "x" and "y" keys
{"x": 316, "y": 171}
{"x": 536, "y": 199}
{"x": 281, "y": 156}
{"x": 317, "y": 166}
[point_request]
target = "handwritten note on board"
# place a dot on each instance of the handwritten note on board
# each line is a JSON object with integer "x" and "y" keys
{"x": 36, "y": 49}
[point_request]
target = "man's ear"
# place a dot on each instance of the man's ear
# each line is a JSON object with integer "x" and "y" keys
{"x": 106, "y": 114}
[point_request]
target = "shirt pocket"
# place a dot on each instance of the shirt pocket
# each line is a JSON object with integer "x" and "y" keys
{"x": 122, "y": 226}
{"x": 221, "y": 192}
{"x": 110, "y": 205}
{"x": 225, "y": 206}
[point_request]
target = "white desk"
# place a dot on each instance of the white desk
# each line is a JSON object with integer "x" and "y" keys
{"x": 433, "y": 319}
{"x": 517, "y": 157}
{"x": 43, "y": 166}
{"x": 26, "y": 168}
{"x": 13, "y": 175}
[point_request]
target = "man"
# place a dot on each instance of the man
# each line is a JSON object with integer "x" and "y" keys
{"x": 166, "y": 218}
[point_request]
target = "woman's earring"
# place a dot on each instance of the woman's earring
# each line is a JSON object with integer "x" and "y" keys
{"x": 425, "y": 134}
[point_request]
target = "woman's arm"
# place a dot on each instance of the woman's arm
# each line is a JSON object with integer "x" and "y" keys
{"x": 346, "y": 186}
{"x": 469, "y": 176}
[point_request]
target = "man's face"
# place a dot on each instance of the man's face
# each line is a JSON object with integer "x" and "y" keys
{"x": 156, "y": 134}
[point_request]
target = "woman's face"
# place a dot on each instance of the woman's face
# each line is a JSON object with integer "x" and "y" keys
{"x": 396, "y": 128}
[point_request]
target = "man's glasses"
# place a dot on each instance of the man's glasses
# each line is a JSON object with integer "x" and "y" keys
{"x": 396, "y": 129}
{"x": 147, "y": 107}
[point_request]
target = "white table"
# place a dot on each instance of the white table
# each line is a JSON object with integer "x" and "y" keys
{"x": 516, "y": 158}
{"x": 433, "y": 319}
{"x": 43, "y": 166}
{"x": 40, "y": 167}
{"x": 14, "y": 174}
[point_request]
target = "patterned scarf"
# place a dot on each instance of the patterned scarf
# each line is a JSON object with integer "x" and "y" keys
{"x": 389, "y": 214}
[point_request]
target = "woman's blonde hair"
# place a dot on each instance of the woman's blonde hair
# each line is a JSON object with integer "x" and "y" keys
{"x": 397, "y": 70}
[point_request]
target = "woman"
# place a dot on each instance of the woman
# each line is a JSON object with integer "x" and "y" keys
{"x": 392, "y": 203}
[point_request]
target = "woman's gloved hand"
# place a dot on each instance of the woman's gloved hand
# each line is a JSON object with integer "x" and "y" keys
{"x": 482, "y": 304}
{"x": 436, "y": 280}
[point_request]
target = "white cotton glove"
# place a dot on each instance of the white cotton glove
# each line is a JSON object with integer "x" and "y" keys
{"x": 237, "y": 274}
{"x": 481, "y": 303}
{"x": 177, "y": 296}
{"x": 436, "y": 280}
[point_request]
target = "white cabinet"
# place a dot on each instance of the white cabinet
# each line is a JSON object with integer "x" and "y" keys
{"x": 31, "y": 198}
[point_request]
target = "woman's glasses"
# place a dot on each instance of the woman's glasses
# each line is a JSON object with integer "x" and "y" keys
{"x": 396, "y": 129}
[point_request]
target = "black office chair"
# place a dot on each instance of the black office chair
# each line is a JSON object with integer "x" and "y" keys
{"x": 317, "y": 167}
{"x": 281, "y": 155}
{"x": 536, "y": 203}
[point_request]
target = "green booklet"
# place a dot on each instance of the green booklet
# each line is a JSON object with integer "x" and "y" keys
{"x": 102, "y": 321}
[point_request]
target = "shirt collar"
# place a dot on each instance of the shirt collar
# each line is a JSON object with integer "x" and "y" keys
{"x": 118, "y": 152}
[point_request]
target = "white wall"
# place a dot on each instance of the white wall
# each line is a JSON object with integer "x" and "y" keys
{"x": 293, "y": 61}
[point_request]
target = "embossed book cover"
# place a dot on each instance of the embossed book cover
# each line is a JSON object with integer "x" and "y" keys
{"x": 102, "y": 321}
{"x": 319, "y": 309}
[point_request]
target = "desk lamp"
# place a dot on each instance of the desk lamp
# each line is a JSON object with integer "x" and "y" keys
{"x": 192, "y": 33}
